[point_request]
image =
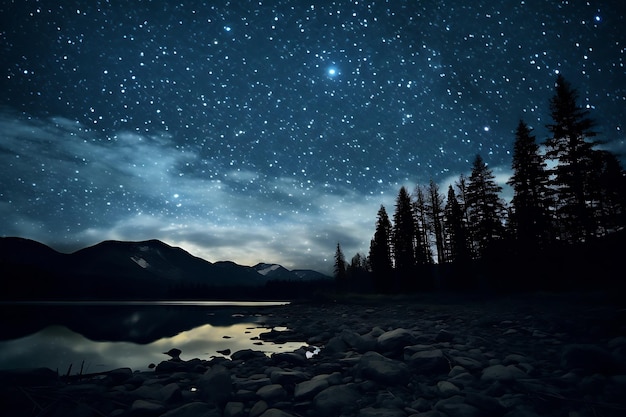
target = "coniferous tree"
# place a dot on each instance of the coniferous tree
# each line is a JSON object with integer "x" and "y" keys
{"x": 423, "y": 229}
{"x": 571, "y": 150}
{"x": 403, "y": 238}
{"x": 531, "y": 192}
{"x": 456, "y": 231}
{"x": 434, "y": 206}
{"x": 608, "y": 192}
{"x": 484, "y": 206}
{"x": 340, "y": 266}
{"x": 380, "y": 253}
{"x": 461, "y": 186}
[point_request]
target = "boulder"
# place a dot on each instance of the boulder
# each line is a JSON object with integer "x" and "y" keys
{"x": 215, "y": 385}
{"x": 247, "y": 354}
{"x": 193, "y": 409}
{"x": 275, "y": 412}
{"x": 234, "y": 409}
{"x": 447, "y": 389}
{"x": 272, "y": 392}
{"x": 429, "y": 362}
{"x": 502, "y": 373}
{"x": 381, "y": 412}
{"x": 395, "y": 340}
{"x": 308, "y": 389}
{"x": 332, "y": 400}
{"x": 378, "y": 368}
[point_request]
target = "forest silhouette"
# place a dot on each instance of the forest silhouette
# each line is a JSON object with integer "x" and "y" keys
{"x": 563, "y": 229}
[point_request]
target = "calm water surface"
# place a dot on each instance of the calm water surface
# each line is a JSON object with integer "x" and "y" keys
{"x": 100, "y": 336}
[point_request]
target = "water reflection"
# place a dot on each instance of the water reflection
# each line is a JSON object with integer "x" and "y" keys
{"x": 101, "y": 338}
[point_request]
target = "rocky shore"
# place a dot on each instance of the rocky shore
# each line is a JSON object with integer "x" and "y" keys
{"x": 546, "y": 356}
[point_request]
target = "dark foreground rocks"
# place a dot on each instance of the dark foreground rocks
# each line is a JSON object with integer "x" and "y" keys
{"x": 392, "y": 359}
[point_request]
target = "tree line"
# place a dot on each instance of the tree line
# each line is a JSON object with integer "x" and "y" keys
{"x": 569, "y": 197}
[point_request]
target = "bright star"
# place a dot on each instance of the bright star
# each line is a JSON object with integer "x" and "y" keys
{"x": 332, "y": 72}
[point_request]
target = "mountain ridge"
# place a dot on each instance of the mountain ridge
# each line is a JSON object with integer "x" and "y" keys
{"x": 113, "y": 268}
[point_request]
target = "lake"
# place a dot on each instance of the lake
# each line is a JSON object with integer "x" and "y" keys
{"x": 100, "y": 336}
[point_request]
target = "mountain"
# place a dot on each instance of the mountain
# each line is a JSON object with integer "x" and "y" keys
{"x": 116, "y": 269}
{"x": 280, "y": 273}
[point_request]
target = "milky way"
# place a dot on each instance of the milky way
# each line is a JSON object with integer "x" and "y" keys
{"x": 269, "y": 131}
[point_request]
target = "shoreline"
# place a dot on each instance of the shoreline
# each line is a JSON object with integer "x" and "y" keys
{"x": 511, "y": 356}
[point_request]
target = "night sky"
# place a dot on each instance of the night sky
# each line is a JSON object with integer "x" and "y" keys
{"x": 271, "y": 130}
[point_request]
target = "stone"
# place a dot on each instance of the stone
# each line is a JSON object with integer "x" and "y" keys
{"x": 293, "y": 358}
{"x": 357, "y": 342}
{"x": 247, "y": 354}
{"x": 308, "y": 389}
{"x": 258, "y": 408}
{"x": 272, "y": 392}
{"x": 587, "y": 358}
{"x": 467, "y": 363}
{"x": 395, "y": 340}
{"x": 144, "y": 407}
{"x": 460, "y": 410}
{"x": 381, "y": 369}
{"x": 287, "y": 377}
{"x": 215, "y": 385}
{"x": 381, "y": 412}
{"x": 429, "y": 362}
{"x": 332, "y": 400}
{"x": 487, "y": 404}
{"x": 170, "y": 393}
{"x": 447, "y": 389}
{"x": 502, "y": 373}
{"x": 275, "y": 412}
{"x": 234, "y": 409}
{"x": 194, "y": 409}
{"x": 444, "y": 336}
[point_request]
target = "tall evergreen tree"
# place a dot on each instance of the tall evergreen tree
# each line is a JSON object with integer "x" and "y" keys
{"x": 403, "y": 238}
{"x": 434, "y": 206}
{"x": 485, "y": 208}
{"x": 461, "y": 186}
{"x": 380, "y": 253}
{"x": 423, "y": 228}
{"x": 531, "y": 191}
{"x": 570, "y": 148}
{"x": 608, "y": 192}
{"x": 456, "y": 232}
{"x": 340, "y": 266}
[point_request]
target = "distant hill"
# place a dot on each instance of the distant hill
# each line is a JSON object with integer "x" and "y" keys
{"x": 116, "y": 269}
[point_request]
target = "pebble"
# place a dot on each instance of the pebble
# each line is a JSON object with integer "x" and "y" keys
{"x": 385, "y": 361}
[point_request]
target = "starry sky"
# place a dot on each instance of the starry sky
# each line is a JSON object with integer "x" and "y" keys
{"x": 268, "y": 131}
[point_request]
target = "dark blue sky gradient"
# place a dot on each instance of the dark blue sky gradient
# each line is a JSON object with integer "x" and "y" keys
{"x": 269, "y": 131}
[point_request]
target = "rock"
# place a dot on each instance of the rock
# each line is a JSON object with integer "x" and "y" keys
{"x": 224, "y": 352}
{"x": 502, "y": 373}
{"x": 275, "y": 412}
{"x": 143, "y": 407}
{"x": 308, "y": 389}
{"x": 357, "y": 342}
{"x": 467, "y": 363}
{"x": 429, "y": 362}
{"x": 588, "y": 358}
{"x": 194, "y": 409}
{"x": 288, "y": 377}
{"x": 170, "y": 393}
{"x": 273, "y": 392}
{"x": 334, "y": 399}
{"x": 119, "y": 375}
{"x": 215, "y": 385}
{"x": 447, "y": 389}
{"x": 394, "y": 340}
{"x": 234, "y": 409}
{"x": 383, "y": 370}
{"x": 247, "y": 354}
{"x": 486, "y": 404}
{"x": 335, "y": 345}
{"x": 258, "y": 408}
{"x": 444, "y": 336}
{"x": 294, "y": 358}
{"x": 381, "y": 412}
{"x": 456, "y": 407}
